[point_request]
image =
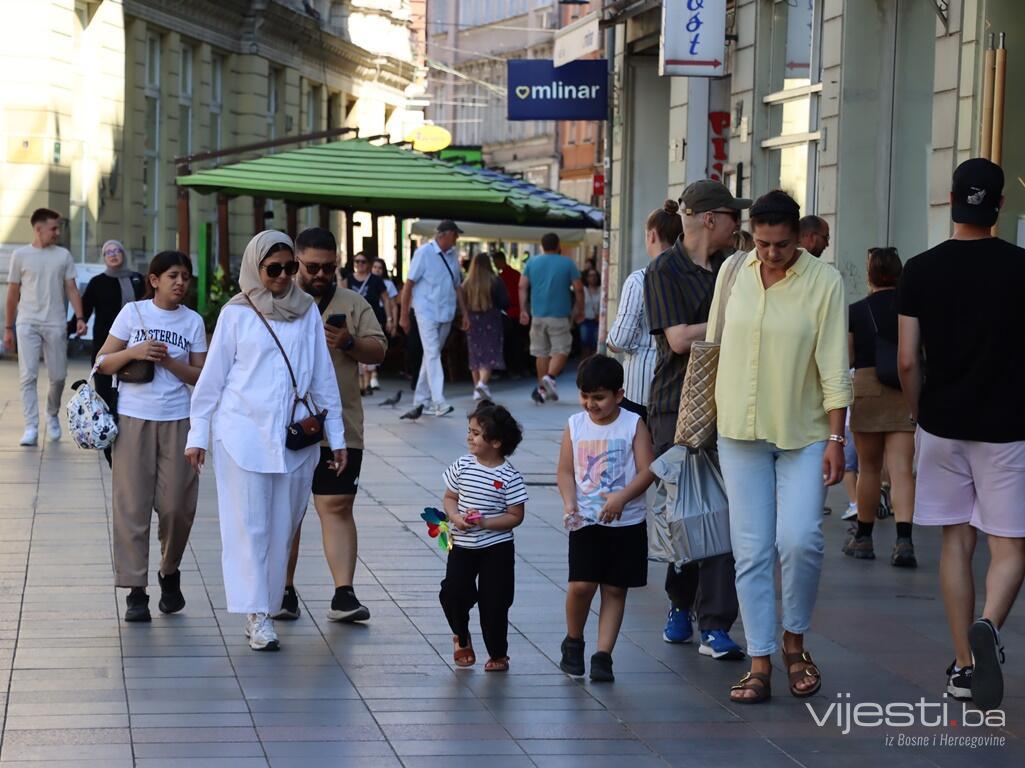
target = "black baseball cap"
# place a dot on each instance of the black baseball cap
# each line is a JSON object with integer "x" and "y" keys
{"x": 707, "y": 195}
{"x": 447, "y": 225}
{"x": 976, "y": 189}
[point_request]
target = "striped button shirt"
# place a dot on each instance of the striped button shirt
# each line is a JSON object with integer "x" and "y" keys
{"x": 489, "y": 490}
{"x": 676, "y": 292}
{"x": 630, "y": 335}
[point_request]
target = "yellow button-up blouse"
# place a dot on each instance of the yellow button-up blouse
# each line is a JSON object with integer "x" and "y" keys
{"x": 783, "y": 364}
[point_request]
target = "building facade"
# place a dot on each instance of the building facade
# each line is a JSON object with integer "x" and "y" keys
{"x": 860, "y": 110}
{"x": 99, "y": 97}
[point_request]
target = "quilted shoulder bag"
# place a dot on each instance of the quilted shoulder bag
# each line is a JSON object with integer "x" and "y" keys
{"x": 695, "y": 419}
{"x": 304, "y": 432}
{"x": 137, "y": 371}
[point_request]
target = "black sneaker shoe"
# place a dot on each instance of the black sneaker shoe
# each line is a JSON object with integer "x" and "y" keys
{"x": 289, "y": 606}
{"x": 538, "y": 397}
{"x": 171, "y": 598}
{"x": 959, "y": 683}
{"x": 138, "y": 605}
{"x": 572, "y": 657}
{"x": 601, "y": 668}
{"x": 414, "y": 413}
{"x": 859, "y": 547}
{"x": 345, "y": 606}
{"x": 987, "y": 656}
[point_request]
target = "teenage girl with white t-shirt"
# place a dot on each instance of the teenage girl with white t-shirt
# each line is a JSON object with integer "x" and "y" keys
{"x": 150, "y": 471}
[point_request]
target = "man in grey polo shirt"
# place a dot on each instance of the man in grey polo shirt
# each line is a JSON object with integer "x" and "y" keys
{"x": 434, "y": 289}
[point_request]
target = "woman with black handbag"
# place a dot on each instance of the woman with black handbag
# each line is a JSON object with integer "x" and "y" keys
{"x": 880, "y": 419}
{"x": 269, "y": 395}
{"x": 156, "y": 348}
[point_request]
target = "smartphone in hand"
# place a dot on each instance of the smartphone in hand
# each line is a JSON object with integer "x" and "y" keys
{"x": 336, "y": 321}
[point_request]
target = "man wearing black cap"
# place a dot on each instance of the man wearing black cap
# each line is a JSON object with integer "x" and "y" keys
{"x": 678, "y": 287}
{"x": 434, "y": 289}
{"x": 959, "y": 307}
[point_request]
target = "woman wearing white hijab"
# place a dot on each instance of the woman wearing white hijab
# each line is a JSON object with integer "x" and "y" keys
{"x": 245, "y": 395}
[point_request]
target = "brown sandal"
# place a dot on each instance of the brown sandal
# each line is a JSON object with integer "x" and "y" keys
{"x": 759, "y": 682}
{"x": 808, "y": 670}
{"x": 497, "y": 665}
{"x": 463, "y": 657}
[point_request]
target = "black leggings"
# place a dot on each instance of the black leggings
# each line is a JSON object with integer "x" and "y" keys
{"x": 485, "y": 577}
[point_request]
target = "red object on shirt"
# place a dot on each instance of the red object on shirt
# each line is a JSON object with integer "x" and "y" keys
{"x": 511, "y": 278}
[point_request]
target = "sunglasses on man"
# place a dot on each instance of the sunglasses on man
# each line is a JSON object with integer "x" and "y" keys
{"x": 314, "y": 269}
{"x": 274, "y": 270}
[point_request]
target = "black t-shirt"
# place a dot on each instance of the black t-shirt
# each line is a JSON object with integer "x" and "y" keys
{"x": 966, "y": 295}
{"x": 370, "y": 289}
{"x": 880, "y": 306}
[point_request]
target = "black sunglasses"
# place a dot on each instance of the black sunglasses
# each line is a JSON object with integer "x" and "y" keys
{"x": 314, "y": 269}
{"x": 274, "y": 270}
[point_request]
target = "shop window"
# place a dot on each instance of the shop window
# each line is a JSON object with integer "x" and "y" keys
{"x": 216, "y": 100}
{"x": 796, "y": 83}
{"x": 185, "y": 101}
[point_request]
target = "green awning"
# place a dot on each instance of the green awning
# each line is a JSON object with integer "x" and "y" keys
{"x": 386, "y": 180}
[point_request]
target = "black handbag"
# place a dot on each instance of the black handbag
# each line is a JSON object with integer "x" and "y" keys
{"x": 304, "y": 432}
{"x": 886, "y": 356}
{"x": 137, "y": 371}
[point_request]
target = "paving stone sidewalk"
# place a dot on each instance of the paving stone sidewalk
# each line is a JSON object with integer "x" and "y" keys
{"x": 82, "y": 688}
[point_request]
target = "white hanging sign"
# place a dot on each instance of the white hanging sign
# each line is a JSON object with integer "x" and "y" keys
{"x": 693, "y": 41}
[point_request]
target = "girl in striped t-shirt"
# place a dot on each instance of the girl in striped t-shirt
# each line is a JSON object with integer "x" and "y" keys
{"x": 484, "y": 501}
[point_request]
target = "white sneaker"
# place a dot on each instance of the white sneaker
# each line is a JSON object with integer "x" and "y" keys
{"x": 442, "y": 409}
{"x": 485, "y": 390}
{"x": 550, "y": 389}
{"x": 374, "y": 383}
{"x": 851, "y": 513}
{"x": 261, "y": 634}
{"x": 477, "y": 394}
{"x": 53, "y": 428}
{"x": 31, "y": 436}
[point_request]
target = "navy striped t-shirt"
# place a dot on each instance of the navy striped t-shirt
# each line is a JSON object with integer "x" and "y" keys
{"x": 489, "y": 490}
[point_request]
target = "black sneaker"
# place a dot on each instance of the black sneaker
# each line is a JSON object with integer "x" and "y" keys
{"x": 959, "y": 683}
{"x": 345, "y": 606}
{"x": 987, "y": 656}
{"x": 289, "y": 606}
{"x": 538, "y": 397}
{"x": 138, "y": 605}
{"x": 171, "y": 598}
{"x": 859, "y": 547}
{"x": 903, "y": 554}
{"x": 414, "y": 413}
{"x": 601, "y": 668}
{"x": 572, "y": 656}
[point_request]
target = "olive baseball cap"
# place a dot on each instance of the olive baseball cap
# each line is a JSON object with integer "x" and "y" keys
{"x": 707, "y": 195}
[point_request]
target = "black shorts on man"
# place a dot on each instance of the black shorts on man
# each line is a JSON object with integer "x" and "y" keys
{"x": 327, "y": 483}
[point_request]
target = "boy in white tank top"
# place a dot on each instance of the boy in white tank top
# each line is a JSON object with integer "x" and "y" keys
{"x": 604, "y": 470}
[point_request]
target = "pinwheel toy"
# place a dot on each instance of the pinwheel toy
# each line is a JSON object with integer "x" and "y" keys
{"x": 437, "y": 527}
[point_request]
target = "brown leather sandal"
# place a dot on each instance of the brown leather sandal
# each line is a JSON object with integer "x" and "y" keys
{"x": 463, "y": 657}
{"x": 759, "y": 682}
{"x": 809, "y": 670}
{"x": 497, "y": 665}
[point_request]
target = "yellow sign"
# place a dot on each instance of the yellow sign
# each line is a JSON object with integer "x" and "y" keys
{"x": 429, "y": 138}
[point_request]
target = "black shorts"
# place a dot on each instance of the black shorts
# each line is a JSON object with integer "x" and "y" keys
{"x": 327, "y": 483}
{"x": 617, "y": 556}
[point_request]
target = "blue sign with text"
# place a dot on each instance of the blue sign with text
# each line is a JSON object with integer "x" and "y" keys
{"x": 538, "y": 90}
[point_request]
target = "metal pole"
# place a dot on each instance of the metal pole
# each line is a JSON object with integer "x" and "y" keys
{"x": 183, "y": 212}
{"x": 292, "y": 219}
{"x": 606, "y": 244}
{"x": 223, "y": 245}
{"x": 999, "y": 82}
{"x": 259, "y": 209}
{"x": 203, "y": 267}
{"x": 348, "y": 238}
{"x": 988, "y": 61}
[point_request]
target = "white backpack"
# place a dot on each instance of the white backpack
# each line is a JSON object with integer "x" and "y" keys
{"x": 89, "y": 419}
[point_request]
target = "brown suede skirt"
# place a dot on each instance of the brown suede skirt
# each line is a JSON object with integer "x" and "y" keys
{"x": 877, "y": 407}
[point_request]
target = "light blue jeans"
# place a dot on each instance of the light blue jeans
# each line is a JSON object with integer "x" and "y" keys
{"x": 776, "y": 499}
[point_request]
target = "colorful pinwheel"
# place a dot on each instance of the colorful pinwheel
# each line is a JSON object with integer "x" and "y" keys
{"x": 437, "y": 527}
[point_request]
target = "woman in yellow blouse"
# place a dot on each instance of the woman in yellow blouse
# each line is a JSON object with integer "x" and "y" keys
{"x": 782, "y": 392}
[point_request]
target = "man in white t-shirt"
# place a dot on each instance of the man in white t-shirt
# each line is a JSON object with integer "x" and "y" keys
{"x": 41, "y": 279}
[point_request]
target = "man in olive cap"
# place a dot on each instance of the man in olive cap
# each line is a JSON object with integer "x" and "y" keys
{"x": 678, "y": 287}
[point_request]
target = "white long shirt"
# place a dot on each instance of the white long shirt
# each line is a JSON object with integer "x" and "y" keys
{"x": 434, "y": 284}
{"x": 245, "y": 394}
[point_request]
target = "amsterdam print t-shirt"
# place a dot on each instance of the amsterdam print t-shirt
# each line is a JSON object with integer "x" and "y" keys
{"x": 166, "y": 398}
{"x": 489, "y": 490}
{"x": 603, "y": 462}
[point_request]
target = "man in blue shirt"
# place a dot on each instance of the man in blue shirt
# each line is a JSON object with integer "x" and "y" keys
{"x": 434, "y": 289}
{"x": 551, "y": 291}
